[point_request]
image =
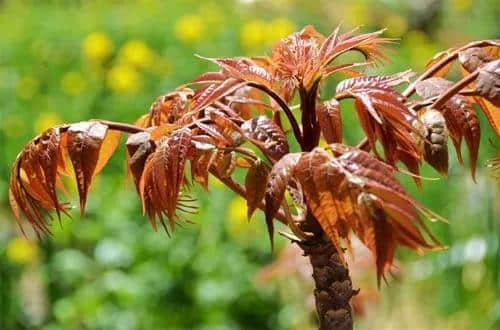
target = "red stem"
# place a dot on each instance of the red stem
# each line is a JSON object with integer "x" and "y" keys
{"x": 438, "y": 65}
{"x": 454, "y": 90}
{"x": 286, "y": 109}
{"x": 123, "y": 127}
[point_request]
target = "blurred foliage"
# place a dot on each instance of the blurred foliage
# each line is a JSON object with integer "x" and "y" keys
{"x": 65, "y": 61}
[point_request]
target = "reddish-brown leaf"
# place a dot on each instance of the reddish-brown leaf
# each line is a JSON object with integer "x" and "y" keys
{"x": 200, "y": 166}
{"x": 163, "y": 177}
{"x": 227, "y": 127}
{"x": 168, "y": 108}
{"x": 37, "y": 170}
{"x": 488, "y": 82}
{"x": 224, "y": 163}
{"x": 179, "y": 144}
{"x": 214, "y": 132}
{"x": 245, "y": 69}
{"x": 139, "y": 147}
{"x": 475, "y": 57}
{"x": 255, "y": 184}
{"x": 464, "y": 116}
{"x": 330, "y": 122}
{"x": 34, "y": 178}
{"x": 214, "y": 92}
{"x": 383, "y": 199}
{"x": 371, "y": 45}
{"x": 321, "y": 180}
{"x": 84, "y": 144}
{"x": 279, "y": 178}
{"x": 210, "y": 77}
{"x": 266, "y": 135}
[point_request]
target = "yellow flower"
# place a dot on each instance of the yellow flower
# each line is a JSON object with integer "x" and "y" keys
{"x": 253, "y": 34}
{"x": 138, "y": 54}
{"x": 279, "y": 28}
{"x": 396, "y": 25}
{"x": 45, "y": 121}
{"x": 97, "y": 46}
{"x": 237, "y": 209}
{"x": 461, "y": 5}
{"x": 236, "y": 220}
{"x": 420, "y": 47}
{"x": 27, "y": 87}
{"x": 73, "y": 83}
{"x": 123, "y": 79}
{"x": 22, "y": 251}
{"x": 189, "y": 29}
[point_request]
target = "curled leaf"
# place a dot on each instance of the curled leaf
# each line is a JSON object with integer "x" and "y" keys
{"x": 224, "y": 163}
{"x": 434, "y": 130}
{"x": 460, "y": 117}
{"x": 475, "y": 57}
{"x": 266, "y": 135}
{"x": 255, "y": 184}
{"x": 168, "y": 108}
{"x": 488, "y": 82}
{"x": 139, "y": 147}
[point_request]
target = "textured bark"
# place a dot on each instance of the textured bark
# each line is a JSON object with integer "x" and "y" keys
{"x": 333, "y": 287}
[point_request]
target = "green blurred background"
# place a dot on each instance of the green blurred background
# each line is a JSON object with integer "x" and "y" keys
{"x": 64, "y": 61}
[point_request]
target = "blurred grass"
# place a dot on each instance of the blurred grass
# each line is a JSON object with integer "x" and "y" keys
{"x": 64, "y": 61}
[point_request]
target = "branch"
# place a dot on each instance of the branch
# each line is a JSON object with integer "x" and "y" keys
{"x": 123, "y": 127}
{"x": 440, "y": 64}
{"x": 286, "y": 109}
{"x": 309, "y": 123}
{"x": 454, "y": 90}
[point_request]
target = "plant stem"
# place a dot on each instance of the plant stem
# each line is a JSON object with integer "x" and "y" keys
{"x": 123, "y": 127}
{"x": 311, "y": 132}
{"x": 333, "y": 287}
{"x": 443, "y": 98}
{"x": 440, "y": 64}
{"x": 293, "y": 122}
